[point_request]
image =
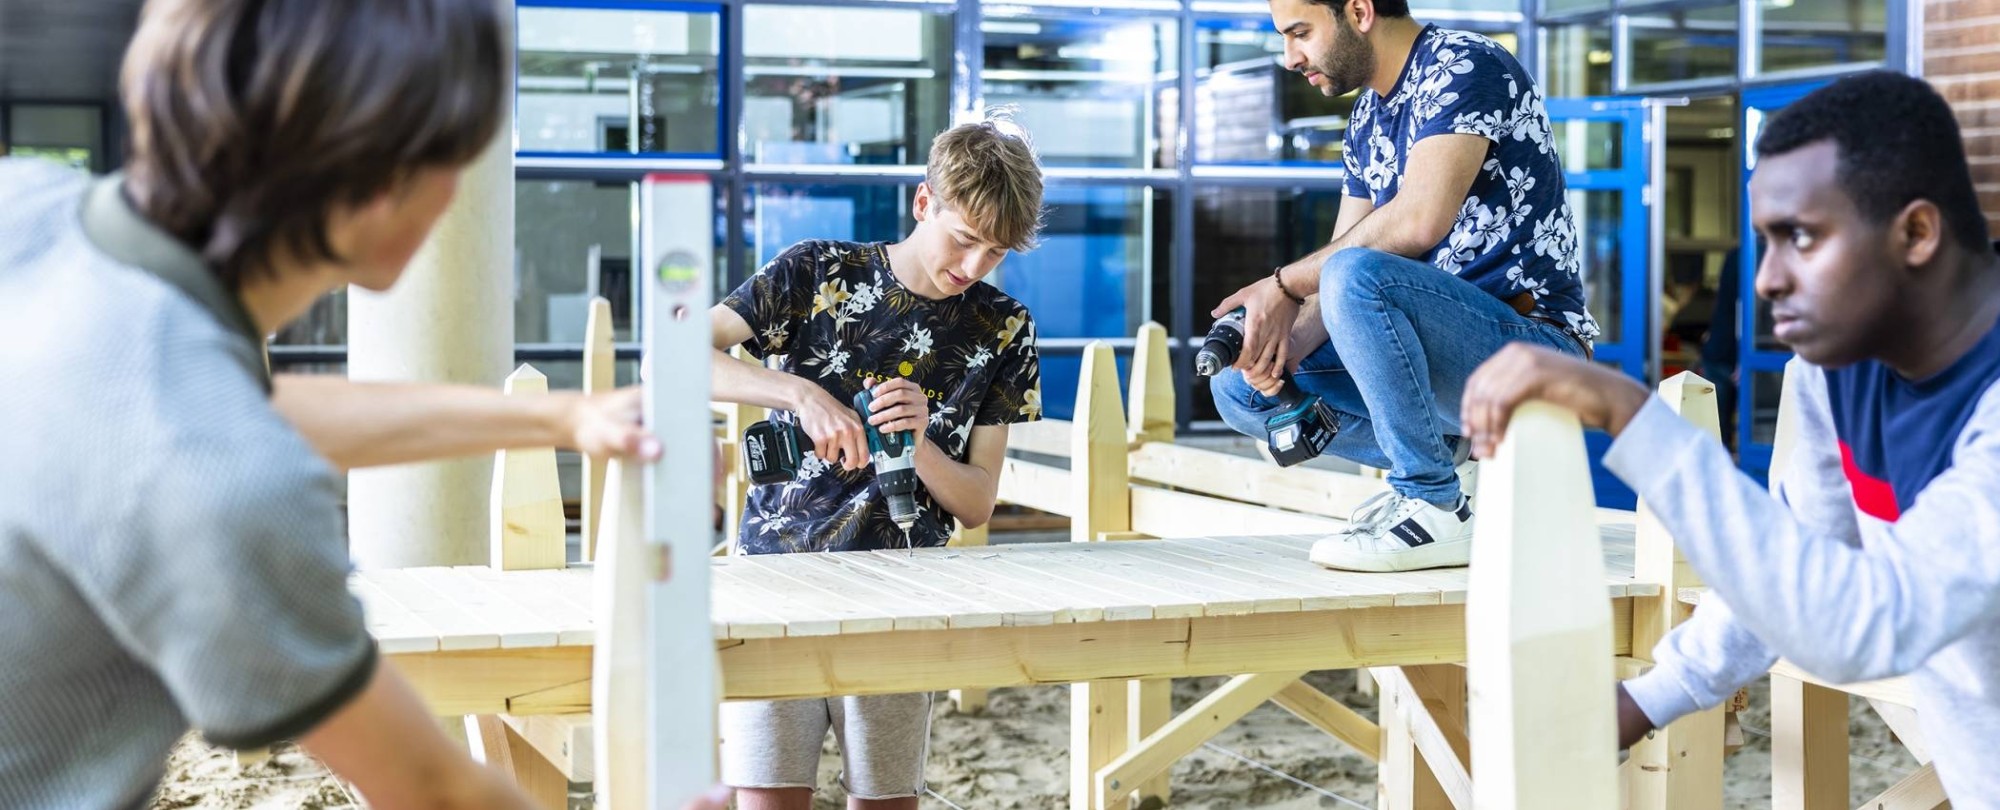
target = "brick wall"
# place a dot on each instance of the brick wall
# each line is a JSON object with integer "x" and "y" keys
{"x": 1962, "y": 59}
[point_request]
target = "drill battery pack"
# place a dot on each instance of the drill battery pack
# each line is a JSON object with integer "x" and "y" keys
{"x": 1300, "y": 431}
{"x": 773, "y": 451}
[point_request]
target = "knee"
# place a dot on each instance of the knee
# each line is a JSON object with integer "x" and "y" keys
{"x": 1352, "y": 273}
{"x": 1239, "y": 404}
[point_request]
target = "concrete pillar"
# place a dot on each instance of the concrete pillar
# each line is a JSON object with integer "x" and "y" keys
{"x": 449, "y": 319}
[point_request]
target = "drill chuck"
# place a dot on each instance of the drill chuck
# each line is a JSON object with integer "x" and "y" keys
{"x": 895, "y": 459}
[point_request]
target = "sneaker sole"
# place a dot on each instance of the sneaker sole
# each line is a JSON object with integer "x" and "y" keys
{"x": 1456, "y": 554}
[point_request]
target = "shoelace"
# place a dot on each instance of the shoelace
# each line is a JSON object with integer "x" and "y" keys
{"x": 1373, "y": 511}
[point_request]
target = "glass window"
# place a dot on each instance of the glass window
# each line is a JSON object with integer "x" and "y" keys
{"x": 1553, "y": 7}
{"x": 1102, "y": 250}
{"x": 70, "y": 134}
{"x": 783, "y": 215}
{"x": 1091, "y": 91}
{"x": 590, "y": 77}
{"x": 844, "y": 85}
{"x": 1587, "y": 145}
{"x": 1766, "y": 387}
{"x": 1239, "y": 235}
{"x": 1683, "y": 45}
{"x": 325, "y": 324}
{"x": 1599, "y": 215}
{"x": 1579, "y": 60}
{"x": 1250, "y": 109}
{"x": 1799, "y": 34}
{"x": 573, "y": 241}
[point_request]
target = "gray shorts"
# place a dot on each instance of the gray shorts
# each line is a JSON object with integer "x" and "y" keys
{"x": 775, "y": 743}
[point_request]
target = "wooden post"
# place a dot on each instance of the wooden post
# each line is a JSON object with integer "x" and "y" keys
{"x": 600, "y": 375}
{"x": 1808, "y": 746}
{"x": 1678, "y": 767}
{"x": 617, "y": 676}
{"x": 1537, "y": 625}
{"x": 1152, "y": 388}
{"x": 528, "y": 530}
{"x": 1156, "y": 753}
{"x": 503, "y": 749}
{"x": 1424, "y": 746}
{"x": 969, "y": 701}
{"x": 1099, "y": 728}
{"x": 736, "y": 486}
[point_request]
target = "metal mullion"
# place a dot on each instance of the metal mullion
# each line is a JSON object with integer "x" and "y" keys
{"x": 968, "y": 63}
{"x": 736, "y": 88}
{"x": 926, "y": 5}
{"x": 1181, "y": 280}
{"x": 1749, "y": 39}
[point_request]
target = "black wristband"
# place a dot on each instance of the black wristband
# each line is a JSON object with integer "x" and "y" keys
{"x": 1278, "y": 278}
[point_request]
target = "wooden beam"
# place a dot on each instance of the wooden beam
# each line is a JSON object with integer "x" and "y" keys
{"x": 1331, "y": 716}
{"x": 528, "y": 529}
{"x": 1426, "y": 713}
{"x": 1543, "y": 729}
{"x": 1918, "y": 791}
{"x": 1902, "y": 720}
{"x": 1808, "y": 746}
{"x": 1152, "y": 386}
{"x": 1100, "y": 709}
{"x": 500, "y": 748}
{"x": 1048, "y": 437}
{"x": 562, "y": 739}
{"x": 1036, "y": 486}
{"x": 1324, "y": 493}
{"x": 1152, "y": 707}
{"x": 1157, "y": 753}
{"x": 1900, "y": 691}
{"x": 1164, "y": 513}
{"x": 968, "y": 701}
{"x": 618, "y": 674}
{"x": 1678, "y": 767}
{"x": 600, "y": 376}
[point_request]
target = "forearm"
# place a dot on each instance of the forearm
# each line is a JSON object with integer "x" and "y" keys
{"x": 356, "y": 424}
{"x": 965, "y": 490}
{"x": 733, "y": 380}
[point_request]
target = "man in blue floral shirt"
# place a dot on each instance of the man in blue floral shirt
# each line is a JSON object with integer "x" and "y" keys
{"x": 1454, "y": 239}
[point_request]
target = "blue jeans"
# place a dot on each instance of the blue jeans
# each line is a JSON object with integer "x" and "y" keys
{"x": 1403, "y": 338}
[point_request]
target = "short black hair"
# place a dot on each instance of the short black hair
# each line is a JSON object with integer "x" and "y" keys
{"x": 1897, "y": 141}
{"x": 1383, "y": 8}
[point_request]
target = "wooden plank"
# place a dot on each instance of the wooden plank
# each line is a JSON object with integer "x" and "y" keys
{"x": 1680, "y": 766}
{"x": 562, "y": 739}
{"x": 1429, "y": 704}
{"x": 1902, "y": 720}
{"x": 1808, "y": 746}
{"x": 528, "y": 530}
{"x": 396, "y": 628}
{"x": 1323, "y": 493}
{"x": 1900, "y": 691}
{"x": 1180, "y": 736}
{"x": 1309, "y": 590}
{"x": 600, "y": 376}
{"x": 794, "y": 611}
{"x": 1152, "y": 387}
{"x": 1152, "y": 707}
{"x": 1331, "y": 716}
{"x": 907, "y": 607}
{"x": 1036, "y": 486}
{"x": 1122, "y": 601}
{"x": 988, "y": 604}
{"x": 886, "y": 663}
{"x": 1097, "y": 719}
{"x": 1919, "y": 791}
{"x": 456, "y": 629}
{"x": 459, "y": 682}
{"x": 538, "y": 597}
{"x": 823, "y": 601}
{"x": 515, "y": 625}
{"x": 1164, "y": 513}
{"x": 737, "y": 609}
{"x": 1543, "y": 729}
{"x": 496, "y": 745}
{"x": 1217, "y": 596}
{"x": 969, "y": 701}
{"x": 734, "y": 494}
{"x": 1049, "y": 437}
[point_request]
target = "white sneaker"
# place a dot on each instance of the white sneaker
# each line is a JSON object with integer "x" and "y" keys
{"x": 1392, "y": 532}
{"x": 1468, "y": 482}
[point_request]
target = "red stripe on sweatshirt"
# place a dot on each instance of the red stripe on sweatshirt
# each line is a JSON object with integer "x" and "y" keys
{"x": 1873, "y": 496}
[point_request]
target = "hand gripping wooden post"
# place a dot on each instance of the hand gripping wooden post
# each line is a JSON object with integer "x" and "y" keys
{"x": 654, "y": 676}
{"x": 1537, "y": 626}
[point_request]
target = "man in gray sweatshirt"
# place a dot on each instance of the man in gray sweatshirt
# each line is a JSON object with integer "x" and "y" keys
{"x": 1879, "y": 553}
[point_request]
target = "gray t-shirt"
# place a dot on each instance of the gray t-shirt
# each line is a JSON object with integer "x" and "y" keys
{"x": 171, "y": 551}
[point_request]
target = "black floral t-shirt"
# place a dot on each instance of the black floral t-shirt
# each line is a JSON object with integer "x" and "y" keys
{"x": 833, "y": 313}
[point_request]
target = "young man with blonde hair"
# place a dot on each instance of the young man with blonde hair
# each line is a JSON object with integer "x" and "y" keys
{"x": 949, "y": 358}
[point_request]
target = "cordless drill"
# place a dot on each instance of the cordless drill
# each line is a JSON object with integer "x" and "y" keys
{"x": 1303, "y": 425}
{"x": 773, "y": 452}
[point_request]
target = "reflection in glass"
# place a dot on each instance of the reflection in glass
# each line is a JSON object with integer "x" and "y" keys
{"x": 784, "y": 215}
{"x": 1599, "y": 215}
{"x": 1817, "y": 34}
{"x": 325, "y": 324}
{"x": 1250, "y": 109}
{"x": 590, "y": 77}
{"x": 573, "y": 242}
{"x": 844, "y": 85}
{"x": 1673, "y": 46}
{"x": 70, "y": 134}
{"x": 1092, "y": 274}
{"x": 1579, "y": 60}
{"x": 1765, "y": 389}
{"x": 1552, "y": 7}
{"x": 1089, "y": 90}
{"x": 1589, "y": 145}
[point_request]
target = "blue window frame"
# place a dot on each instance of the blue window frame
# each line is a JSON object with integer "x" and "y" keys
{"x": 620, "y": 79}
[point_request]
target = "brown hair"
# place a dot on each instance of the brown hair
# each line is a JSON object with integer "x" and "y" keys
{"x": 987, "y": 171}
{"x": 252, "y": 121}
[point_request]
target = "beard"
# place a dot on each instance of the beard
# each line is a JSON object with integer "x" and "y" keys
{"x": 1348, "y": 64}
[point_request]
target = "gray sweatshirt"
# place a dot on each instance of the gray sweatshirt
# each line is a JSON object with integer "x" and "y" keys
{"x": 1877, "y": 556}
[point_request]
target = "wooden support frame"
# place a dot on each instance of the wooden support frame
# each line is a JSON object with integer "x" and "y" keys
{"x": 1808, "y": 746}
{"x": 969, "y": 701}
{"x": 1543, "y": 729}
{"x": 1154, "y": 755}
{"x": 499, "y": 746}
{"x": 1331, "y": 716}
{"x": 1100, "y": 711}
{"x": 1424, "y": 714}
{"x": 1152, "y": 389}
{"x": 1921, "y": 790}
{"x": 600, "y": 376}
{"x": 1678, "y": 767}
